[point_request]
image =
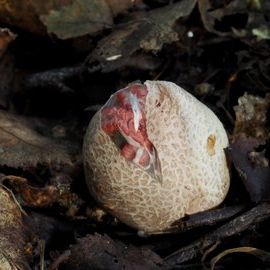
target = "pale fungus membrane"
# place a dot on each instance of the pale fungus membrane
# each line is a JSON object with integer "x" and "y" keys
{"x": 154, "y": 154}
{"x": 123, "y": 119}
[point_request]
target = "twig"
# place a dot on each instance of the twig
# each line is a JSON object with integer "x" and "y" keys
{"x": 10, "y": 192}
{"x": 55, "y": 78}
{"x": 241, "y": 223}
{"x": 42, "y": 254}
{"x": 208, "y": 218}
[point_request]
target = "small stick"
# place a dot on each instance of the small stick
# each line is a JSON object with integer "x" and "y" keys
{"x": 208, "y": 218}
{"x": 241, "y": 223}
{"x": 55, "y": 78}
{"x": 42, "y": 254}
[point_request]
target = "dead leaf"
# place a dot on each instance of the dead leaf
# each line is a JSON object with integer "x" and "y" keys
{"x": 148, "y": 32}
{"x": 255, "y": 175}
{"x": 162, "y": 21}
{"x": 248, "y": 147}
{"x": 210, "y": 15}
{"x": 102, "y": 252}
{"x": 21, "y": 146}
{"x": 64, "y": 18}
{"x": 250, "y": 16}
{"x": 251, "y": 116}
{"x": 259, "y": 253}
{"x": 79, "y": 18}
{"x": 12, "y": 234}
{"x": 120, "y": 6}
{"x": 56, "y": 193}
{"x": 32, "y": 196}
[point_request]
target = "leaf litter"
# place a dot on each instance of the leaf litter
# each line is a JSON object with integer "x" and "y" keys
{"x": 218, "y": 50}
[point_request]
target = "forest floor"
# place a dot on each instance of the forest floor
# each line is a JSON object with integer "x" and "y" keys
{"x": 59, "y": 63}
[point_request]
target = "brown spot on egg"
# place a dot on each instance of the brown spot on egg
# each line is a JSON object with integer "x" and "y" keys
{"x": 158, "y": 104}
{"x": 211, "y": 141}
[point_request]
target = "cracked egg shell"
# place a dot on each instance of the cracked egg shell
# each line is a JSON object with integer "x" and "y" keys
{"x": 185, "y": 144}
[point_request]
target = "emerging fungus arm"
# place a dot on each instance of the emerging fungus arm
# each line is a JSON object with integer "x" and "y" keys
{"x": 123, "y": 119}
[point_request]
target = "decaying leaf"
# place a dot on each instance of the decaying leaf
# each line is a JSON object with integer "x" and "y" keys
{"x": 251, "y": 116}
{"x": 102, "y": 252}
{"x": 32, "y": 196}
{"x": 6, "y": 36}
{"x": 79, "y": 18}
{"x": 255, "y": 172}
{"x": 120, "y": 6}
{"x": 261, "y": 254}
{"x": 64, "y": 18}
{"x": 149, "y": 32}
{"x": 217, "y": 50}
{"x": 162, "y": 21}
{"x": 22, "y": 146}
{"x": 210, "y": 15}
{"x": 42, "y": 197}
{"x": 250, "y": 16}
{"x": 12, "y": 234}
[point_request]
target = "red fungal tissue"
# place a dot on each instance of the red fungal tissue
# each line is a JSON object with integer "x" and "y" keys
{"x": 123, "y": 119}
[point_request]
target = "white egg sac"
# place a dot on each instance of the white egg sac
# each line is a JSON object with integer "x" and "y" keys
{"x": 153, "y": 154}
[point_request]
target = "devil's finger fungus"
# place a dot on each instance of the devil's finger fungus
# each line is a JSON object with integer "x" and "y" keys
{"x": 154, "y": 154}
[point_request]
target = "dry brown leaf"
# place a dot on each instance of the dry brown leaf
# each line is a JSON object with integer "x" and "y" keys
{"x": 248, "y": 146}
{"x": 119, "y": 6}
{"x": 251, "y": 117}
{"x": 79, "y": 18}
{"x": 12, "y": 234}
{"x": 160, "y": 22}
{"x": 21, "y": 146}
{"x": 210, "y": 15}
{"x": 57, "y": 192}
{"x": 219, "y": 18}
{"x": 64, "y": 18}
{"x": 253, "y": 170}
{"x": 32, "y": 196}
{"x": 149, "y": 32}
{"x": 102, "y": 252}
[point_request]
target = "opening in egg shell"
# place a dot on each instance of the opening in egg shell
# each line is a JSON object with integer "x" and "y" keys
{"x": 123, "y": 119}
